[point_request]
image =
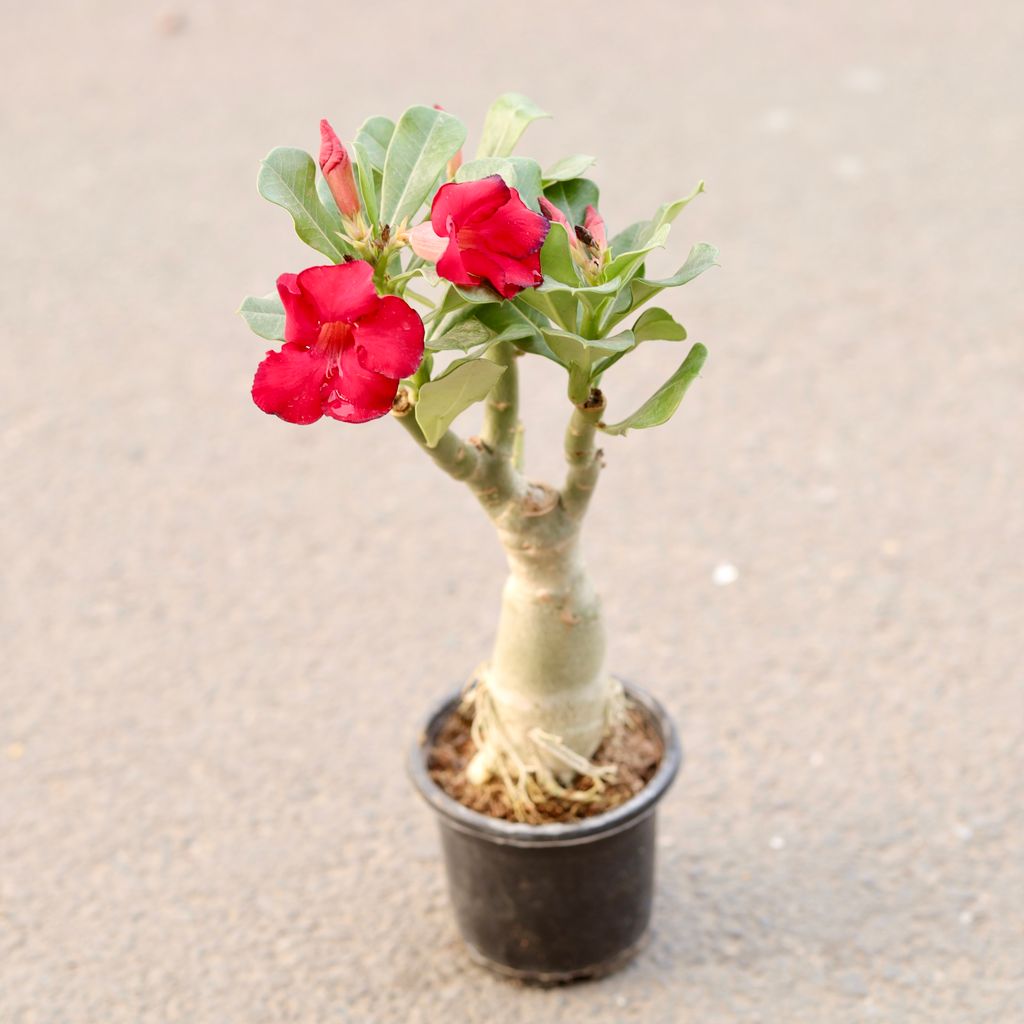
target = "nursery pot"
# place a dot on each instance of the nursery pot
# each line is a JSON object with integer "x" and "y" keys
{"x": 557, "y": 902}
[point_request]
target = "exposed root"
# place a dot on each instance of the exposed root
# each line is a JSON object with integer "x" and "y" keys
{"x": 529, "y": 781}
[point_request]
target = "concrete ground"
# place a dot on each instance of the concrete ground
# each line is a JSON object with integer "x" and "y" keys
{"x": 220, "y": 632}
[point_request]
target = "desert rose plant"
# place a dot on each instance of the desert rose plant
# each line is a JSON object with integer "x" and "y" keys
{"x": 434, "y": 277}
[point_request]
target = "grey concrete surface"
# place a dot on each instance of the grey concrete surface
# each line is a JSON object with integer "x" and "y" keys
{"x": 220, "y": 632}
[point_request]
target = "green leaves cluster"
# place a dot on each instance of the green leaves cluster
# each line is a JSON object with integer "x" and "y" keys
{"x": 586, "y": 300}
{"x": 586, "y": 315}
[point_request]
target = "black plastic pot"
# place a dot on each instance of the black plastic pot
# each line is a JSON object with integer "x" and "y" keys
{"x": 551, "y": 903}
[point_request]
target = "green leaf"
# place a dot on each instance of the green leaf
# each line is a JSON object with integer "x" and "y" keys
{"x": 593, "y": 296}
{"x": 626, "y": 264}
{"x": 517, "y": 172}
{"x": 573, "y": 197}
{"x": 566, "y": 168}
{"x": 522, "y": 325}
{"x": 580, "y": 356}
{"x": 370, "y": 147}
{"x": 640, "y": 289}
{"x": 326, "y": 197}
{"x": 555, "y": 301}
{"x": 464, "y": 382}
{"x": 652, "y": 325}
{"x": 657, "y": 325}
{"x": 423, "y": 142}
{"x": 464, "y": 333}
{"x": 287, "y": 178}
{"x": 556, "y": 257}
{"x": 505, "y": 123}
{"x": 264, "y": 315}
{"x": 663, "y": 403}
{"x": 638, "y": 236}
{"x": 477, "y": 294}
{"x": 373, "y": 139}
{"x": 468, "y": 326}
{"x": 702, "y": 257}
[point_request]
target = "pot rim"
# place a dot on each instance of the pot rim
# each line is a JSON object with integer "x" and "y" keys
{"x": 516, "y": 833}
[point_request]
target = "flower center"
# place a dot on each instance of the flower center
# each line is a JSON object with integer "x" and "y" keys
{"x": 334, "y": 337}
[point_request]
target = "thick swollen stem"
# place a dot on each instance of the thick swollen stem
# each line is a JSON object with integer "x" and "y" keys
{"x": 547, "y": 673}
{"x": 548, "y": 695}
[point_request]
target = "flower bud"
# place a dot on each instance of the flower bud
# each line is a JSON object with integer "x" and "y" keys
{"x": 337, "y": 169}
{"x": 553, "y": 213}
{"x": 594, "y": 223}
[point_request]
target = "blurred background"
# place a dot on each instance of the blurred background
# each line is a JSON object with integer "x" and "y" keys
{"x": 220, "y": 632}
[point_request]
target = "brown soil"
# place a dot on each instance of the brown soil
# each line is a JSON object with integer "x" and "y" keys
{"x": 634, "y": 747}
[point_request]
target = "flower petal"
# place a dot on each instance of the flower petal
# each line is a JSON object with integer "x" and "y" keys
{"x": 288, "y": 383}
{"x": 514, "y": 229}
{"x": 426, "y": 242}
{"x": 300, "y": 320}
{"x": 508, "y": 274}
{"x": 451, "y": 267}
{"x": 466, "y": 202}
{"x": 356, "y": 395}
{"x": 343, "y": 292}
{"x": 594, "y": 223}
{"x": 390, "y": 340}
{"x": 552, "y": 212}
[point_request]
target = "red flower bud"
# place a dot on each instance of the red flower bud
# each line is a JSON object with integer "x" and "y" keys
{"x": 594, "y": 223}
{"x": 554, "y": 214}
{"x": 337, "y": 169}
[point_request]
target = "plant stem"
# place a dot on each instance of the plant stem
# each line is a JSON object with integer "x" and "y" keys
{"x": 585, "y": 461}
{"x": 546, "y": 676}
{"x": 489, "y": 475}
{"x": 459, "y": 459}
{"x": 409, "y": 293}
{"x": 501, "y": 417}
{"x": 501, "y": 408}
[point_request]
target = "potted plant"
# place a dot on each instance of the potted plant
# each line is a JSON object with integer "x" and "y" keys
{"x": 437, "y": 276}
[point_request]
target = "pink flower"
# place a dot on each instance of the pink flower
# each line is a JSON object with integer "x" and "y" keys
{"x": 345, "y": 350}
{"x": 337, "y": 169}
{"x": 482, "y": 231}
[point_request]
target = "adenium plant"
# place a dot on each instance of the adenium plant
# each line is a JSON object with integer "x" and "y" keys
{"x": 515, "y": 261}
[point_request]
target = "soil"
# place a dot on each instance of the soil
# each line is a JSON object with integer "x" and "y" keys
{"x": 633, "y": 746}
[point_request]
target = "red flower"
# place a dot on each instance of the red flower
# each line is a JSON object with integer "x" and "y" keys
{"x": 345, "y": 347}
{"x": 492, "y": 236}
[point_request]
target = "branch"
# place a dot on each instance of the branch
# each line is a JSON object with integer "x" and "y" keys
{"x": 459, "y": 459}
{"x": 501, "y": 408}
{"x": 501, "y": 421}
{"x": 490, "y": 477}
{"x": 585, "y": 461}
